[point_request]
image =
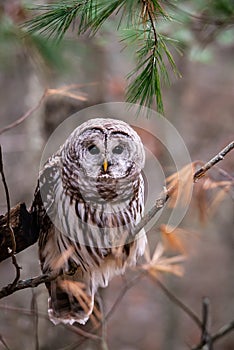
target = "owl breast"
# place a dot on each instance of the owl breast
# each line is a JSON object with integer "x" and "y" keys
{"x": 99, "y": 224}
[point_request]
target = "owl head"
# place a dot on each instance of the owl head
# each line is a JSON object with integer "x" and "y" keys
{"x": 104, "y": 149}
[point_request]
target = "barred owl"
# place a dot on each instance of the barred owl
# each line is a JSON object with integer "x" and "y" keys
{"x": 90, "y": 196}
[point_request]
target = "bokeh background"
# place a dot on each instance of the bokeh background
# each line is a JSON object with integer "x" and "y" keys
{"x": 200, "y": 105}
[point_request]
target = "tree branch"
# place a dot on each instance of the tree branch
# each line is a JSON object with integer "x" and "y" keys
{"x": 177, "y": 301}
{"x": 28, "y": 283}
{"x": 205, "y": 336}
{"x": 12, "y": 246}
{"x": 229, "y": 327}
{"x": 25, "y": 231}
{"x": 63, "y": 91}
{"x": 220, "y": 156}
{"x": 26, "y": 115}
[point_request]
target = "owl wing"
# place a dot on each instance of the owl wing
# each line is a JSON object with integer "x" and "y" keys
{"x": 64, "y": 303}
{"x": 43, "y": 205}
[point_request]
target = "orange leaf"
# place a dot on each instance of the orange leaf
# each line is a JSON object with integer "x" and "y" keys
{"x": 176, "y": 238}
{"x": 180, "y": 186}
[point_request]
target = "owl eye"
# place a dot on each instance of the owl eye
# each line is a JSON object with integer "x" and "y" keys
{"x": 93, "y": 150}
{"x": 118, "y": 150}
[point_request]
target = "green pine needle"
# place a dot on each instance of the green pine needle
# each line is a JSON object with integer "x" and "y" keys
{"x": 140, "y": 17}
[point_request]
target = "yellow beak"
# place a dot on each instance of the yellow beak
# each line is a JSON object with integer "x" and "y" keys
{"x": 105, "y": 165}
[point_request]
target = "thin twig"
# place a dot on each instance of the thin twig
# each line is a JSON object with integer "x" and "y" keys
{"x": 28, "y": 283}
{"x": 2, "y": 340}
{"x": 24, "y": 116}
{"x": 177, "y": 301}
{"x": 23, "y": 311}
{"x": 229, "y": 327}
{"x": 201, "y": 172}
{"x": 205, "y": 335}
{"x": 223, "y": 331}
{"x": 159, "y": 204}
{"x": 13, "y": 247}
{"x": 64, "y": 91}
{"x": 127, "y": 286}
{"x": 103, "y": 344}
{"x": 73, "y": 329}
{"x": 5, "y": 188}
{"x": 34, "y": 310}
{"x": 81, "y": 332}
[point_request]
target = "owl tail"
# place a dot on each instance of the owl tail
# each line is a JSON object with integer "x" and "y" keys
{"x": 69, "y": 301}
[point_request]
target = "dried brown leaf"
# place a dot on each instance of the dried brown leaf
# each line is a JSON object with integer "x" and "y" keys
{"x": 159, "y": 263}
{"x": 177, "y": 238}
{"x": 180, "y": 186}
{"x": 217, "y": 199}
{"x": 202, "y": 202}
{"x": 209, "y": 195}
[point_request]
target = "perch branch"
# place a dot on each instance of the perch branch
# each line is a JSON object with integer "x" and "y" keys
{"x": 28, "y": 283}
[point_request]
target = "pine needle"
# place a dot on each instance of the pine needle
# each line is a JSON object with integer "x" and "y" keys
{"x": 141, "y": 18}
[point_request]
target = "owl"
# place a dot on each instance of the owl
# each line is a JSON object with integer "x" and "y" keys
{"x": 89, "y": 198}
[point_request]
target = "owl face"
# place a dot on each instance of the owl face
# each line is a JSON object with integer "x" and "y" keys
{"x": 105, "y": 148}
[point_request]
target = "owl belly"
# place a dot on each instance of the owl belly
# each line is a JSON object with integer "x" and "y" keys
{"x": 99, "y": 236}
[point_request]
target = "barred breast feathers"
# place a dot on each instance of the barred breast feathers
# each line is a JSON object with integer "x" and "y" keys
{"x": 90, "y": 251}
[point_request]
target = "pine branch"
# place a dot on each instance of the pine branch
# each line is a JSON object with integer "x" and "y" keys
{"x": 146, "y": 79}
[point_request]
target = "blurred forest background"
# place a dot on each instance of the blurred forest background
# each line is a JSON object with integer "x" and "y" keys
{"x": 200, "y": 105}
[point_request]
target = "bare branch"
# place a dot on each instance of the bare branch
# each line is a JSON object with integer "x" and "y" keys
{"x": 81, "y": 332}
{"x": 34, "y": 310}
{"x": 207, "y": 339}
{"x": 205, "y": 336}
{"x": 229, "y": 327}
{"x": 177, "y": 301}
{"x": 127, "y": 286}
{"x": 160, "y": 203}
{"x": 12, "y": 246}
{"x": 220, "y": 156}
{"x": 24, "y": 116}
{"x": 31, "y": 313}
{"x": 63, "y": 91}
{"x": 28, "y": 283}
{"x": 2, "y": 340}
{"x": 24, "y": 228}
{"x": 223, "y": 331}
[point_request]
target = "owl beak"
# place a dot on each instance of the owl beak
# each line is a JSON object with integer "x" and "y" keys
{"x": 105, "y": 165}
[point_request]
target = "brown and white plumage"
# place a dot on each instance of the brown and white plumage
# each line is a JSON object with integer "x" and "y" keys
{"x": 90, "y": 196}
